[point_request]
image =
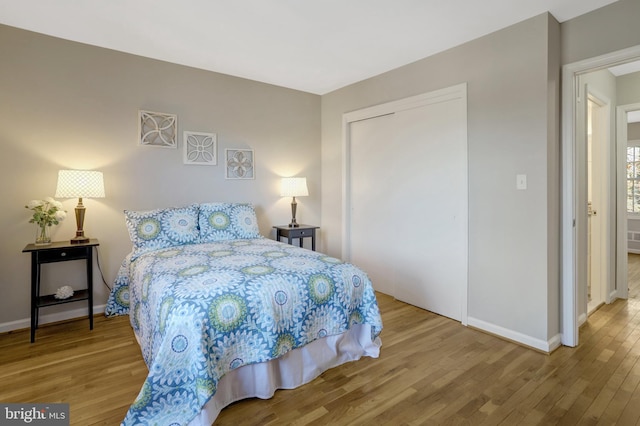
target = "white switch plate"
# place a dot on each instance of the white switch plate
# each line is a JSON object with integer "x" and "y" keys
{"x": 521, "y": 181}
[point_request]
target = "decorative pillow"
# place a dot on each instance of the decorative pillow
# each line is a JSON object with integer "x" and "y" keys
{"x": 162, "y": 228}
{"x": 227, "y": 221}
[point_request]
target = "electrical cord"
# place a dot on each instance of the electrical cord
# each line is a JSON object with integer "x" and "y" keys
{"x": 100, "y": 268}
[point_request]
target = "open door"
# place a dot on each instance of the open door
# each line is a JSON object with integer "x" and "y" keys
{"x": 598, "y": 172}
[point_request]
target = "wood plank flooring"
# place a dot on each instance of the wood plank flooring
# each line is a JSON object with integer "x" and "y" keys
{"x": 431, "y": 371}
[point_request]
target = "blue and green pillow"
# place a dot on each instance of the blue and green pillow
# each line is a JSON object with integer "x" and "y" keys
{"x": 162, "y": 228}
{"x": 227, "y": 221}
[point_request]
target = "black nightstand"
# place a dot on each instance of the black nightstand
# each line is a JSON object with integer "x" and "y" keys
{"x": 299, "y": 232}
{"x": 59, "y": 251}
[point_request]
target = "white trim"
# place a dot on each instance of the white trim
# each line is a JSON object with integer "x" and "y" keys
{"x": 568, "y": 292}
{"x": 442, "y": 95}
{"x": 532, "y": 342}
{"x": 569, "y": 320}
{"x": 25, "y": 323}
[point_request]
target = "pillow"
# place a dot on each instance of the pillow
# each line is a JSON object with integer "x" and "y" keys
{"x": 162, "y": 228}
{"x": 227, "y": 221}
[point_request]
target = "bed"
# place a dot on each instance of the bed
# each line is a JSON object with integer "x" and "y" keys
{"x": 222, "y": 313}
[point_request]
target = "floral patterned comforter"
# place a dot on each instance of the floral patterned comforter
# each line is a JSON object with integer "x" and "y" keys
{"x": 201, "y": 310}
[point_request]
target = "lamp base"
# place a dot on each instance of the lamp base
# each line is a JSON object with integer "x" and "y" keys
{"x": 79, "y": 240}
{"x": 294, "y": 223}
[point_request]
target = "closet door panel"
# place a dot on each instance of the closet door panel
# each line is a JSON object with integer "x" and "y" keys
{"x": 407, "y": 200}
{"x": 371, "y": 183}
{"x": 430, "y": 257}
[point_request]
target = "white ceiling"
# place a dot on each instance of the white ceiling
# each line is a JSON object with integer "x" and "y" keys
{"x": 315, "y": 46}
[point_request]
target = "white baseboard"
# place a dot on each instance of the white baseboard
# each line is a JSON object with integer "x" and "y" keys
{"x": 634, "y": 251}
{"x": 613, "y": 295}
{"x": 523, "y": 339}
{"x": 582, "y": 318}
{"x": 49, "y": 318}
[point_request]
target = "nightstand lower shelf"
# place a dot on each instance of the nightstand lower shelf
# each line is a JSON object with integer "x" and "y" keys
{"x": 50, "y": 300}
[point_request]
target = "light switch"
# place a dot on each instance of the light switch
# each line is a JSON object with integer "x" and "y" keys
{"x": 521, "y": 181}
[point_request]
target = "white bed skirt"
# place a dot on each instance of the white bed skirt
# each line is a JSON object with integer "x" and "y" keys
{"x": 293, "y": 369}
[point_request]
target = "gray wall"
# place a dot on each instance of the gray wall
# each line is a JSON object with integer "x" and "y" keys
{"x": 633, "y": 130}
{"x": 628, "y": 90}
{"x": 69, "y": 105}
{"x": 605, "y": 30}
{"x": 513, "y": 80}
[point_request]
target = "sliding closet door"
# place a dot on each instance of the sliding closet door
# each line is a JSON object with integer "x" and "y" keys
{"x": 371, "y": 232}
{"x": 408, "y": 203}
{"x": 431, "y": 256}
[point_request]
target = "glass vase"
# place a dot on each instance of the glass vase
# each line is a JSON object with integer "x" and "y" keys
{"x": 43, "y": 235}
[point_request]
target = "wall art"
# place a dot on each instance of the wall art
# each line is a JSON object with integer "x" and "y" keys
{"x": 240, "y": 164}
{"x": 158, "y": 129}
{"x": 200, "y": 148}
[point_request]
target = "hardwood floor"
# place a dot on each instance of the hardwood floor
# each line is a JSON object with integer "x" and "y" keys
{"x": 431, "y": 371}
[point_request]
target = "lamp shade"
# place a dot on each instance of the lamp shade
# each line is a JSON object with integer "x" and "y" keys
{"x": 294, "y": 187}
{"x": 80, "y": 184}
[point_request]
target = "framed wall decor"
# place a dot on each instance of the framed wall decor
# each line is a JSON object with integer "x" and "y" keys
{"x": 240, "y": 164}
{"x": 200, "y": 148}
{"x": 158, "y": 129}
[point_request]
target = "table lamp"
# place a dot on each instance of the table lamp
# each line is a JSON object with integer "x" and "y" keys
{"x": 294, "y": 187}
{"x": 80, "y": 184}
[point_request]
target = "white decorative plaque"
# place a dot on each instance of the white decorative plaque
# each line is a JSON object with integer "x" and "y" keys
{"x": 200, "y": 148}
{"x": 158, "y": 129}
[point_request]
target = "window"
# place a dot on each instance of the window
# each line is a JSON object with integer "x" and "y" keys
{"x": 633, "y": 178}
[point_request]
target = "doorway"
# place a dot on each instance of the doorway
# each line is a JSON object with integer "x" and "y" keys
{"x": 574, "y": 205}
{"x": 628, "y": 117}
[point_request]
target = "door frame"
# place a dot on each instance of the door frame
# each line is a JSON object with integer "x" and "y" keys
{"x": 570, "y": 261}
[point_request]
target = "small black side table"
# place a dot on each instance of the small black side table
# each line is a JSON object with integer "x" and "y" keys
{"x": 298, "y": 232}
{"x": 59, "y": 251}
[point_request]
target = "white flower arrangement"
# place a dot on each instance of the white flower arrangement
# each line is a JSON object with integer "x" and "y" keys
{"x": 63, "y": 292}
{"x": 46, "y": 212}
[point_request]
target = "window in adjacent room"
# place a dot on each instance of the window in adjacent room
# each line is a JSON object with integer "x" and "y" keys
{"x": 633, "y": 177}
